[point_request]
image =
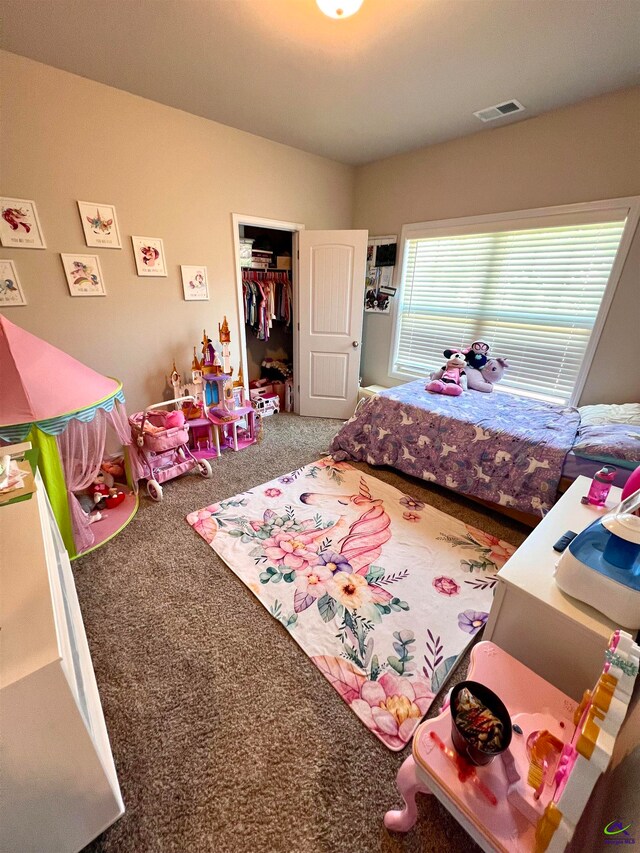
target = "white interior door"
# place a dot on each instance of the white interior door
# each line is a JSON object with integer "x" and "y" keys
{"x": 331, "y": 274}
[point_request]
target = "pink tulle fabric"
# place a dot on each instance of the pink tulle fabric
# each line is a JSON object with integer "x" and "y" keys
{"x": 118, "y": 419}
{"x": 81, "y": 448}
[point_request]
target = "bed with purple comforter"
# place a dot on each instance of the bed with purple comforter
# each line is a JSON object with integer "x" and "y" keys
{"x": 496, "y": 447}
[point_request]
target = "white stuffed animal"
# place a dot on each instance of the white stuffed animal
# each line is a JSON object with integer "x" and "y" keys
{"x": 485, "y": 378}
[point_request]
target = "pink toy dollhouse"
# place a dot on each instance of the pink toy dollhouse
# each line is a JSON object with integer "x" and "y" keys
{"x": 225, "y": 421}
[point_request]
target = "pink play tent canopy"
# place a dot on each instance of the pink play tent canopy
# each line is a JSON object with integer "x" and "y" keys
{"x": 65, "y": 409}
{"x": 39, "y": 382}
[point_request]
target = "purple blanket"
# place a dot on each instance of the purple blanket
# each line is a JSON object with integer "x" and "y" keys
{"x": 617, "y": 444}
{"x": 496, "y": 447}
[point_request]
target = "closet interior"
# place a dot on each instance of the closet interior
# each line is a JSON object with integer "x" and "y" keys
{"x": 267, "y": 292}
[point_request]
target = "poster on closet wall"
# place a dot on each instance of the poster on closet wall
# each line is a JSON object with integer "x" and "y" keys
{"x": 11, "y": 292}
{"x": 19, "y": 224}
{"x": 381, "y": 260}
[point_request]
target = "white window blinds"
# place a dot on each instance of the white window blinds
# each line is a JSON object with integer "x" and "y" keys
{"x": 533, "y": 294}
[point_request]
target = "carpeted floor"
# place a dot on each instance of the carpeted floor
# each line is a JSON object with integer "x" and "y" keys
{"x": 250, "y": 750}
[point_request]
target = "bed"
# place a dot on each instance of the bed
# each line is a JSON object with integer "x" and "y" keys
{"x": 607, "y": 434}
{"x": 507, "y": 451}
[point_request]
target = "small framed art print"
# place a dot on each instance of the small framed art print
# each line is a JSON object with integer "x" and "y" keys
{"x": 84, "y": 275}
{"x": 100, "y": 225}
{"x": 19, "y": 224}
{"x": 149, "y": 255}
{"x": 11, "y": 292}
{"x": 194, "y": 283}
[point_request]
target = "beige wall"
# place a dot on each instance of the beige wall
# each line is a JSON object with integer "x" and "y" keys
{"x": 170, "y": 175}
{"x": 179, "y": 177}
{"x": 581, "y": 153}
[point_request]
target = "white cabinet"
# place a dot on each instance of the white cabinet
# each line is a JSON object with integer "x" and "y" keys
{"x": 558, "y": 637}
{"x": 59, "y": 783}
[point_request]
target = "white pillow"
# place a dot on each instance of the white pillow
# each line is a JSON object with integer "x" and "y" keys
{"x": 610, "y": 413}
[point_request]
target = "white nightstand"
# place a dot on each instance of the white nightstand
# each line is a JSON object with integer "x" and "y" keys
{"x": 557, "y": 636}
{"x": 370, "y": 391}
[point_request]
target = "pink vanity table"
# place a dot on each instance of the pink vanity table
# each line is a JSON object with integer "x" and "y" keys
{"x": 429, "y": 771}
{"x": 500, "y": 810}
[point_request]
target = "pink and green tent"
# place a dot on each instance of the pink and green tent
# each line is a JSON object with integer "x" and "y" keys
{"x": 65, "y": 409}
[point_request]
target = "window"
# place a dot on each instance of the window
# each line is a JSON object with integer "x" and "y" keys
{"x": 531, "y": 286}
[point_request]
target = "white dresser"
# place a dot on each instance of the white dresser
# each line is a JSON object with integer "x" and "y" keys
{"x": 558, "y": 637}
{"x": 59, "y": 783}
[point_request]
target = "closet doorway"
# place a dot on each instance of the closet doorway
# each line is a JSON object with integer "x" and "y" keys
{"x": 266, "y": 274}
{"x": 326, "y": 308}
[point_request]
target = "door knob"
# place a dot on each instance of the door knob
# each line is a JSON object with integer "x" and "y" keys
{"x": 355, "y": 344}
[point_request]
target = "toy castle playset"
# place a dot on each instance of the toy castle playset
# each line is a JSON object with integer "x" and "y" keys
{"x": 219, "y": 416}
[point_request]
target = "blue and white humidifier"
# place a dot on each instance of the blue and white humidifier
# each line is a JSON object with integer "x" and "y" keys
{"x": 601, "y": 566}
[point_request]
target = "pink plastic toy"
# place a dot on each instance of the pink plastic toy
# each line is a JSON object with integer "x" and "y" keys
{"x": 162, "y": 440}
{"x": 540, "y": 792}
{"x": 219, "y": 417}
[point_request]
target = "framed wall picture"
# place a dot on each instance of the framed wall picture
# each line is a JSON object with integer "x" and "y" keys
{"x": 194, "y": 283}
{"x": 84, "y": 275}
{"x": 149, "y": 255}
{"x": 11, "y": 292}
{"x": 100, "y": 225}
{"x": 19, "y": 224}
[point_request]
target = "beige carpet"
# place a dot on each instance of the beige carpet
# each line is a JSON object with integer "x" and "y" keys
{"x": 246, "y": 752}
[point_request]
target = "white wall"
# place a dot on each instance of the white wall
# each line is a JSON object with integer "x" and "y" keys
{"x": 585, "y": 152}
{"x": 169, "y": 174}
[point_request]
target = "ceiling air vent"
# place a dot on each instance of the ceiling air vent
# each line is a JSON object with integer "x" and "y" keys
{"x": 507, "y": 108}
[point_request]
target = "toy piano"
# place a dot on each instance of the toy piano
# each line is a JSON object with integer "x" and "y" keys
{"x": 530, "y": 798}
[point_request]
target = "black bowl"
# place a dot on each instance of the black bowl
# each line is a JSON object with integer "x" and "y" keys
{"x": 463, "y": 746}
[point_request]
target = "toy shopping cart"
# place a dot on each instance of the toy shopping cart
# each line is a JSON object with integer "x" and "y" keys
{"x": 163, "y": 447}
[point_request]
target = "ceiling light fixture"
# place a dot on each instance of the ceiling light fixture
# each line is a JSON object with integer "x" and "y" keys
{"x": 339, "y": 8}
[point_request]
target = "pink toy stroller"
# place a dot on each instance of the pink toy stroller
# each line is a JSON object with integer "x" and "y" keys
{"x": 164, "y": 450}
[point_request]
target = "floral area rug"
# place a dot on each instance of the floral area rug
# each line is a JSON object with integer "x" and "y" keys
{"x": 381, "y": 591}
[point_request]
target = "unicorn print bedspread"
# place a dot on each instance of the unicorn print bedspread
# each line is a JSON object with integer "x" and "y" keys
{"x": 496, "y": 447}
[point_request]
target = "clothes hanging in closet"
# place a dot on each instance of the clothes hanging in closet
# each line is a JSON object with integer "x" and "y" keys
{"x": 267, "y": 297}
